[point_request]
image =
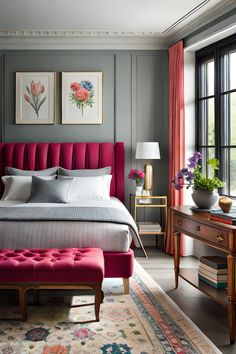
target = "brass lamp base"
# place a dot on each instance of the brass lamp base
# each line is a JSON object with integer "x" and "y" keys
{"x": 148, "y": 179}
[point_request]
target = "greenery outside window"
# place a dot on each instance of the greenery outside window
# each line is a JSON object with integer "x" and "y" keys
{"x": 216, "y": 109}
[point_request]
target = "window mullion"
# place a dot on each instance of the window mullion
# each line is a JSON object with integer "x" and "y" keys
{"x": 224, "y": 108}
{"x": 217, "y": 107}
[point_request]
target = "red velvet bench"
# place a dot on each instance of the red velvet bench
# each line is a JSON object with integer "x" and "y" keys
{"x": 69, "y": 268}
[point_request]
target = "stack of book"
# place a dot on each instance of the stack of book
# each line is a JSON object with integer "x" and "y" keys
{"x": 146, "y": 226}
{"x": 213, "y": 271}
{"x": 227, "y": 218}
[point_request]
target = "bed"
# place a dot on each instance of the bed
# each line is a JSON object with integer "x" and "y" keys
{"x": 113, "y": 237}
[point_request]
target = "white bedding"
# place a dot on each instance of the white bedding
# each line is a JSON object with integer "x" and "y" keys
{"x": 62, "y": 234}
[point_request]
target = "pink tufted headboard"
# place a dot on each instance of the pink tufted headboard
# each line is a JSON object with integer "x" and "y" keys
{"x": 38, "y": 156}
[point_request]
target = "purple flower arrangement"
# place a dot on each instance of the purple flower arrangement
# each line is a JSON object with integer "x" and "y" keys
{"x": 191, "y": 175}
{"x": 187, "y": 173}
{"x": 137, "y": 175}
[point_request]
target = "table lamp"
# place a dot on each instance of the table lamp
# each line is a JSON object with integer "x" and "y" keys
{"x": 148, "y": 151}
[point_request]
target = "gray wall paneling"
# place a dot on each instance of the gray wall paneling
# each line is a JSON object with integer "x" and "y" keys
{"x": 124, "y": 111}
{"x": 135, "y": 101}
{"x": 58, "y": 62}
{"x": 150, "y": 112}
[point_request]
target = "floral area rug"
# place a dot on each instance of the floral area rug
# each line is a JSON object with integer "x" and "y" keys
{"x": 144, "y": 322}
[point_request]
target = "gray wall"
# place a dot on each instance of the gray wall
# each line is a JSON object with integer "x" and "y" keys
{"x": 135, "y": 101}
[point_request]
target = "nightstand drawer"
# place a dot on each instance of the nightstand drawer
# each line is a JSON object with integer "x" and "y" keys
{"x": 206, "y": 233}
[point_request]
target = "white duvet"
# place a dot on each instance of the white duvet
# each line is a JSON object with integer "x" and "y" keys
{"x": 62, "y": 234}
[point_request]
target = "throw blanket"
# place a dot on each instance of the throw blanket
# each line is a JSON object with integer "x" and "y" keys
{"x": 111, "y": 215}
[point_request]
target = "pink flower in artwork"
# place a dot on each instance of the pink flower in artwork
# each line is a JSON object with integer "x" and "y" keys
{"x": 82, "y": 94}
{"x": 35, "y": 90}
{"x": 75, "y": 86}
{"x": 27, "y": 98}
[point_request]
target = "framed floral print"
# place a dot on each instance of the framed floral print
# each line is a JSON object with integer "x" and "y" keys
{"x": 35, "y": 97}
{"x": 82, "y": 98}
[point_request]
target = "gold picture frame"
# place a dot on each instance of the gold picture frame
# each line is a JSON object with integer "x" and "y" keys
{"x": 82, "y": 98}
{"x": 35, "y": 97}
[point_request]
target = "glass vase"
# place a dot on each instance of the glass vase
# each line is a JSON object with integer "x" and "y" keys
{"x": 139, "y": 188}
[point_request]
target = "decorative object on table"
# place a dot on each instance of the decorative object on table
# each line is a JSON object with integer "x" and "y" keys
{"x": 213, "y": 271}
{"x": 82, "y": 98}
{"x": 204, "y": 194}
{"x": 226, "y": 218}
{"x": 138, "y": 176}
{"x": 148, "y": 151}
{"x": 35, "y": 97}
{"x": 225, "y": 204}
{"x": 204, "y": 199}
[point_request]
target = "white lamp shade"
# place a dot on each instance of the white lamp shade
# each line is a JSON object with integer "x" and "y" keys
{"x": 147, "y": 151}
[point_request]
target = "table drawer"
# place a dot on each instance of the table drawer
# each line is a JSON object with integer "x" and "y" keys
{"x": 207, "y": 233}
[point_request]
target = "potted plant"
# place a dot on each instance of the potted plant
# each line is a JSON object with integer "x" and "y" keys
{"x": 204, "y": 194}
{"x": 138, "y": 176}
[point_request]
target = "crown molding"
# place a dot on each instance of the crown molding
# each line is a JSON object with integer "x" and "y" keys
{"x": 110, "y": 40}
{"x": 205, "y": 19}
{"x": 48, "y": 39}
{"x": 76, "y": 33}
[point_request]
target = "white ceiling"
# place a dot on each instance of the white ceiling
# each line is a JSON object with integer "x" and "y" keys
{"x": 104, "y": 24}
{"x": 99, "y": 15}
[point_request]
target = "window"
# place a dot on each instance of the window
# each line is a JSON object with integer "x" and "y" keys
{"x": 216, "y": 109}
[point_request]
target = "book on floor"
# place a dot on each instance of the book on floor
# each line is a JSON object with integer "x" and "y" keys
{"x": 212, "y": 270}
{"x": 214, "y": 277}
{"x": 216, "y": 262}
{"x": 218, "y": 285}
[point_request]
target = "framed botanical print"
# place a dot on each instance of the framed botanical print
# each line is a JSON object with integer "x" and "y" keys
{"x": 82, "y": 98}
{"x": 35, "y": 97}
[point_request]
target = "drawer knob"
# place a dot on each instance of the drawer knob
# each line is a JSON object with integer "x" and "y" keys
{"x": 179, "y": 222}
{"x": 220, "y": 238}
{"x": 198, "y": 228}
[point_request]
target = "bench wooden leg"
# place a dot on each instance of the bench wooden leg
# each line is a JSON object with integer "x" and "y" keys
{"x": 22, "y": 303}
{"x": 102, "y": 297}
{"x": 126, "y": 285}
{"x": 98, "y": 300}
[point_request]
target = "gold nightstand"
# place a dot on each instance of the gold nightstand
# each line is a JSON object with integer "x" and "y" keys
{"x": 150, "y": 228}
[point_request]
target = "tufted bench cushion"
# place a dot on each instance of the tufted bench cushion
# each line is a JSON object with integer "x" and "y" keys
{"x": 69, "y": 268}
{"x": 52, "y": 265}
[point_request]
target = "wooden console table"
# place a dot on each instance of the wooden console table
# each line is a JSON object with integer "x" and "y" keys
{"x": 216, "y": 235}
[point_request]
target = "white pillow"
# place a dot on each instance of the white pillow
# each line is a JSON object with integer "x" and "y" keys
{"x": 95, "y": 188}
{"x": 19, "y": 187}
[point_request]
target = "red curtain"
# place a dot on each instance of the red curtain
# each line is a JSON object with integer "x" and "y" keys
{"x": 176, "y": 132}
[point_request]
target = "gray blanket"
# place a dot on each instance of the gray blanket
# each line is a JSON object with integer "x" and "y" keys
{"x": 96, "y": 214}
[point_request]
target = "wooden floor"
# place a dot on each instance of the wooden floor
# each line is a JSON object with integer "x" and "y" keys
{"x": 209, "y": 316}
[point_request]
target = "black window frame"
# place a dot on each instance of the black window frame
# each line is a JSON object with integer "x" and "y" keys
{"x": 215, "y": 52}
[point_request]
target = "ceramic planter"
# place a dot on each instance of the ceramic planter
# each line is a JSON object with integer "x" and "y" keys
{"x": 204, "y": 199}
